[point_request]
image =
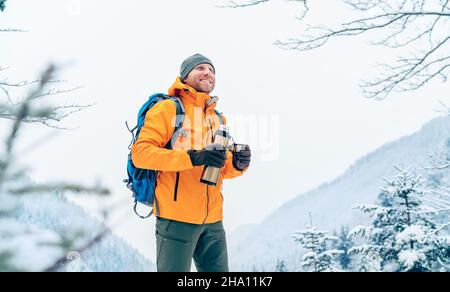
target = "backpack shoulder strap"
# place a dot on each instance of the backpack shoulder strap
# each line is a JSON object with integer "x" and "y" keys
{"x": 180, "y": 113}
{"x": 152, "y": 100}
{"x": 219, "y": 115}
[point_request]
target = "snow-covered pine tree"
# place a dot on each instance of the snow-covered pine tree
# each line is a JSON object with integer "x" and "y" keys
{"x": 318, "y": 257}
{"x": 344, "y": 244}
{"x": 403, "y": 235}
{"x": 2, "y": 5}
{"x": 281, "y": 266}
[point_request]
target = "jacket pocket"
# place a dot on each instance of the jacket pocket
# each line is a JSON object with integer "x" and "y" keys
{"x": 175, "y": 192}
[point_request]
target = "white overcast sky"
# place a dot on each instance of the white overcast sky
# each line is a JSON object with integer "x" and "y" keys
{"x": 121, "y": 52}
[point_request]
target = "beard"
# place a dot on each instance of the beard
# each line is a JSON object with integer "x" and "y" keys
{"x": 204, "y": 88}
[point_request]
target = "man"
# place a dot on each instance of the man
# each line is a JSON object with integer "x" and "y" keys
{"x": 189, "y": 213}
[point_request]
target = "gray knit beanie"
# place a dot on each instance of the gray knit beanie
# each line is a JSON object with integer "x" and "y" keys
{"x": 190, "y": 63}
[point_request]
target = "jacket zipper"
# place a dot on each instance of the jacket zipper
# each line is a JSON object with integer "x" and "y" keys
{"x": 175, "y": 195}
{"x": 207, "y": 189}
{"x": 211, "y": 129}
{"x": 207, "y": 204}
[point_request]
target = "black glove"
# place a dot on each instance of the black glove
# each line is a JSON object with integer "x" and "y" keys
{"x": 212, "y": 155}
{"x": 241, "y": 159}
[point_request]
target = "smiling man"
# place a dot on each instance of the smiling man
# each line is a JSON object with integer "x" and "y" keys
{"x": 189, "y": 213}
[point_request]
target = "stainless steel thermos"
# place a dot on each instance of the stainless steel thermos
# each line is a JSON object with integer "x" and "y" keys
{"x": 211, "y": 174}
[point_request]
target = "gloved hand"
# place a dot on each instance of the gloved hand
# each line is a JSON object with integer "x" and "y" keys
{"x": 213, "y": 155}
{"x": 241, "y": 159}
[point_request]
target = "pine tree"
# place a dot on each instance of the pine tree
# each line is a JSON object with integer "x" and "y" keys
{"x": 318, "y": 257}
{"x": 2, "y": 5}
{"x": 403, "y": 235}
{"x": 343, "y": 243}
{"x": 281, "y": 266}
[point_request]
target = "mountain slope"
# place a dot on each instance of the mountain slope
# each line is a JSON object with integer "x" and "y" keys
{"x": 56, "y": 213}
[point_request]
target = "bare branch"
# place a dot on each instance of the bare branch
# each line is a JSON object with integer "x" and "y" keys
{"x": 12, "y": 30}
{"x": 445, "y": 108}
{"x": 420, "y": 27}
{"x": 49, "y": 116}
{"x": 23, "y": 112}
{"x": 2, "y": 8}
{"x": 239, "y": 4}
{"x": 234, "y": 4}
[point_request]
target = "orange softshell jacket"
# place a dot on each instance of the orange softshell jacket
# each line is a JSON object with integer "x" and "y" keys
{"x": 179, "y": 193}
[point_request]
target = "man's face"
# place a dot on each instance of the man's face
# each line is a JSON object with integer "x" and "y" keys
{"x": 202, "y": 78}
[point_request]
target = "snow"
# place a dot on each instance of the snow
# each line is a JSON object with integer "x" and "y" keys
{"x": 309, "y": 256}
{"x": 360, "y": 230}
{"x": 413, "y": 233}
{"x": 409, "y": 258}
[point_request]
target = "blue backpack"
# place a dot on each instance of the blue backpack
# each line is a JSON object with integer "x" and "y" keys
{"x": 142, "y": 182}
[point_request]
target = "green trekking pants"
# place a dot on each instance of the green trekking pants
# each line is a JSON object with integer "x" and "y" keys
{"x": 177, "y": 243}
